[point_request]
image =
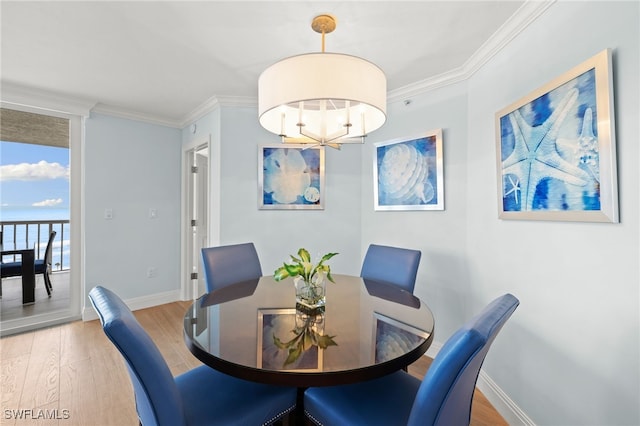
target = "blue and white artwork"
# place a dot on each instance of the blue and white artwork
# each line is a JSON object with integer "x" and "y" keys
{"x": 408, "y": 174}
{"x": 550, "y": 153}
{"x": 291, "y": 178}
{"x": 394, "y": 339}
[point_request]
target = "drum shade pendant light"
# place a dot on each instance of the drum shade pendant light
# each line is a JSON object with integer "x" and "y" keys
{"x": 322, "y": 98}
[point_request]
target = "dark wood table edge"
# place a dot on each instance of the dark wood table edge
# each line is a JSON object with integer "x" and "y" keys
{"x": 307, "y": 379}
{"x": 303, "y": 380}
{"x": 28, "y": 273}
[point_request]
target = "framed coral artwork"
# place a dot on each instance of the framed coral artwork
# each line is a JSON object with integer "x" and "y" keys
{"x": 556, "y": 154}
{"x": 408, "y": 173}
{"x": 291, "y": 177}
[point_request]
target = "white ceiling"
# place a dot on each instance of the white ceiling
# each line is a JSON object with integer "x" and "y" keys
{"x": 165, "y": 59}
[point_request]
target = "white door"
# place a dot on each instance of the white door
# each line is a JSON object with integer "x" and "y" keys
{"x": 198, "y": 214}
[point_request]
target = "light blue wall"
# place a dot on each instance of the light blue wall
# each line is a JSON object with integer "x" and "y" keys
{"x": 131, "y": 167}
{"x": 440, "y": 235}
{"x": 237, "y": 136}
{"x": 571, "y": 354}
{"x": 278, "y": 233}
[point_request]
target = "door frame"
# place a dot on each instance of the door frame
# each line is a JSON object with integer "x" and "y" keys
{"x": 76, "y": 113}
{"x": 186, "y": 284}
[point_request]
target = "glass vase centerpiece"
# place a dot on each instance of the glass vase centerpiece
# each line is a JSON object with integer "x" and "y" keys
{"x": 309, "y": 280}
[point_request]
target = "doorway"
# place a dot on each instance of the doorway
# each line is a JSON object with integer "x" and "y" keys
{"x": 50, "y": 147}
{"x": 196, "y": 219}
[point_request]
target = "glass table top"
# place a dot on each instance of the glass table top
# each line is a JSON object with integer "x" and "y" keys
{"x": 252, "y": 330}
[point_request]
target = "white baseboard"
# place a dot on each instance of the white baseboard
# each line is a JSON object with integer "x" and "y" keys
{"x": 496, "y": 396}
{"x": 433, "y": 349}
{"x": 501, "y": 401}
{"x": 89, "y": 314}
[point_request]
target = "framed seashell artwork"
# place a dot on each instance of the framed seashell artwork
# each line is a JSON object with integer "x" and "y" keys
{"x": 393, "y": 338}
{"x": 408, "y": 173}
{"x": 291, "y": 177}
{"x": 556, "y": 150}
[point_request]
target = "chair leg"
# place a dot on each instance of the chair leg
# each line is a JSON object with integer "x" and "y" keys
{"x": 47, "y": 283}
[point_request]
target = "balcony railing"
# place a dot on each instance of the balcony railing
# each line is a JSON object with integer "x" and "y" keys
{"x": 15, "y": 235}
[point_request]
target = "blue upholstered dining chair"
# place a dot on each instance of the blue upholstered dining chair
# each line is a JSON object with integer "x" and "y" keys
{"x": 394, "y": 265}
{"x": 443, "y": 397}
{"x": 225, "y": 265}
{"x": 201, "y": 396}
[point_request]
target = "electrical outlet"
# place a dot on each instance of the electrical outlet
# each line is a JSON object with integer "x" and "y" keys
{"x": 152, "y": 272}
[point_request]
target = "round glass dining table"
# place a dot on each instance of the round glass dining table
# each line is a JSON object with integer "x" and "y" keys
{"x": 252, "y": 330}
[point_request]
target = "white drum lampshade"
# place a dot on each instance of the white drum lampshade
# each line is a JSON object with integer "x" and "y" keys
{"x": 322, "y": 98}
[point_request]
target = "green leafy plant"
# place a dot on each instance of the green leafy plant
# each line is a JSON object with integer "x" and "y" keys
{"x": 301, "y": 266}
{"x": 305, "y": 336}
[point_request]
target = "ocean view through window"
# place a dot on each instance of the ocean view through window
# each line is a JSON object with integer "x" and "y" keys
{"x": 34, "y": 188}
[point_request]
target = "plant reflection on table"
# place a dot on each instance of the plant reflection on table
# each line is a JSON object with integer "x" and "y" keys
{"x": 307, "y": 334}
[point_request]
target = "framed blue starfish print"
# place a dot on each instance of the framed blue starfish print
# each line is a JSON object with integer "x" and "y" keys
{"x": 556, "y": 154}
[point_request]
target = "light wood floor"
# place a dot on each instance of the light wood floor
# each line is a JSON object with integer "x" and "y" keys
{"x": 74, "y": 373}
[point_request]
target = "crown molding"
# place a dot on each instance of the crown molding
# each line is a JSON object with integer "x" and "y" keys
{"x": 426, "y": 85}
{"x": 521, "y": 19}
{"x": 29, "y": 99}
{"x": 136, "y": 116}
{"x": 20, "y": 97}
{"x": 238, "y": 101}
{"x": 217, "y": 102}
{"x": 204, "y": 108}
